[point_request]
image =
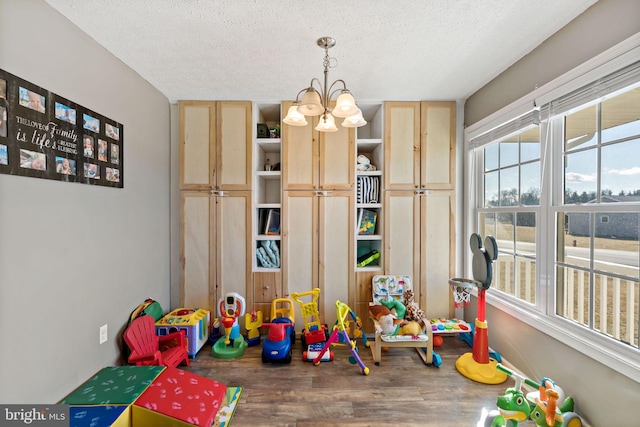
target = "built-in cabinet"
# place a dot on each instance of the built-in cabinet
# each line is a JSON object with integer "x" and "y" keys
{"x": 240, "y": 166}
{"x": 318, "y": 204}
{"x": 419, "y": 199}
{"x": 215, "y": 200}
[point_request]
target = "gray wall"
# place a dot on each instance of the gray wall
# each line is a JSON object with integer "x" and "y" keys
{"x": 600, "y": 27}
{"x": 72, "y": 256}
{"x": 603, "y": 396}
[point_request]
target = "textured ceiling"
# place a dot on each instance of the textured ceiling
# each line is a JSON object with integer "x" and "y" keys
{"x": 266, "y": 50}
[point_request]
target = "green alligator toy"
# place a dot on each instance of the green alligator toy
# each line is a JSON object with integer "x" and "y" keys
{"x": 514, "y": 406}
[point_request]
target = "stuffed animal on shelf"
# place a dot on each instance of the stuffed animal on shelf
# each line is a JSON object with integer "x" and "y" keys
{"x": 364, "y": 164}
{"x": 413, "y": 312}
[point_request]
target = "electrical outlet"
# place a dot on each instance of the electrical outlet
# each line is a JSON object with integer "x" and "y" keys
{"x": 103, "y": 334}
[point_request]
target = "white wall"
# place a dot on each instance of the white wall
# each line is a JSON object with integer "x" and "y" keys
{"x": 599, "y": 28}
{"x": 72, "y": 256}
{"x": 603, "y": 396}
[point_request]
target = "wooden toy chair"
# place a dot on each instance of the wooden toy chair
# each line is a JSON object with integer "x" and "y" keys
{"x": 388, "y": 288}
{"x": 147, "y": 348}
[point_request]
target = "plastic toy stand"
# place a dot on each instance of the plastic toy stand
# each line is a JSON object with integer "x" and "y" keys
{"x": 232, "y": 344}
{"x": 220, "y": 350}
{"x": 477, "y": 365}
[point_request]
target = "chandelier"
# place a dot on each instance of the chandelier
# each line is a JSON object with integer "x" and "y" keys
{"x": 316, "y": 101}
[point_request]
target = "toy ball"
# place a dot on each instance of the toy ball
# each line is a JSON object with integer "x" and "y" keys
{"x": 437, "y": 340}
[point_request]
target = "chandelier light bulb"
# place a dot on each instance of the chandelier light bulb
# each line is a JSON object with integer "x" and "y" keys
{"x": 294, "y": 118}
{"x": 345, "y": 105}
{"x": 327, "y": 123}
{"x": 354, "y": 121}
{"x": 311, "y": 104}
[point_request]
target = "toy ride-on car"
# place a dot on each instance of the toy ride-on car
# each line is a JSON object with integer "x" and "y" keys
{"x": 277, "y": 346}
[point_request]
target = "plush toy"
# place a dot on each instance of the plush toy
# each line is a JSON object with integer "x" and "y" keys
{"x": 413, "y": 312}
{"x": 397, "y": 305}
{"x": 364, "y": 164}
{"x": 410, "y": 328}
{"x": 387, "y": 320}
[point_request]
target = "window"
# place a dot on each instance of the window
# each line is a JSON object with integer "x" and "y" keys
{"x": 597, "y": 256}
{"x": 561, "y": 195}
{"x": 512, "y": 199}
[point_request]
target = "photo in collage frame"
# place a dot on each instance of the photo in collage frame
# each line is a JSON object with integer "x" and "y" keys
{"x": 43, "y": 135}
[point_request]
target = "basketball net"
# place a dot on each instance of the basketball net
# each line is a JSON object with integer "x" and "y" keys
{"x": 461, "y": 296}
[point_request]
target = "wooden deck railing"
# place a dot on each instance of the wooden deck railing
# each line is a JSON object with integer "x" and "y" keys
{"x": 618, "y": 317}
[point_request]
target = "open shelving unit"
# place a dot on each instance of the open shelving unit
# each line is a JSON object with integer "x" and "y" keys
{"x": 267, "y": 189}
{"x": 369, "y": 143}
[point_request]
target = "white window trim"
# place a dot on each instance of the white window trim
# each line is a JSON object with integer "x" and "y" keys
{"x": 618, "y": 356}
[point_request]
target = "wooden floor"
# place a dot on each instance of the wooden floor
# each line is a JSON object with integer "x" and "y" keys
{"x": 401, "y": 391}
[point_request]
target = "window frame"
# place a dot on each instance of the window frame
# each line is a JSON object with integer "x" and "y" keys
{"x": 615, "y": 354}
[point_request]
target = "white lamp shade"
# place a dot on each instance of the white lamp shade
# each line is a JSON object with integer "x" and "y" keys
{"x": 354, "y": 121}
{"x": 327, "y": 124}
{"x": 345, "y": 105}
{"x": 294, "y": 118}
{"x": 311, "y": 105}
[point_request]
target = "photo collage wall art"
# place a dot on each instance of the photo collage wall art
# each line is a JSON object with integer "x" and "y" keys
{"x": 43, "y": 135}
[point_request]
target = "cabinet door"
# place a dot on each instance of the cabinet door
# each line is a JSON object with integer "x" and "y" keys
{"x": 438, "y": 145}
{"x": 437, "y": 252}
{"x": 337, "y": 159}
{"x": 299, "y": 226}
{"x": 299, "y": 155}
{"x": 214, "y": 247}
{"x": 215, "y": 145}
{"x": 233, "y": 146}
{"x": 402, "y": 145}
{"x": 267, "y": 286}
{"x": 197, "y": 144}
{"x": 336, "y": 251}
{"x": 318, "y": 245}
{"x": 196, "y": 234}
{"x": 403, "y": 236}
{"x": 232, "y": 267}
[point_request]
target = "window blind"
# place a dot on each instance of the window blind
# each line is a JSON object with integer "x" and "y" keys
{"x": 521, "y": 123}
{"x": 592, "y": 92}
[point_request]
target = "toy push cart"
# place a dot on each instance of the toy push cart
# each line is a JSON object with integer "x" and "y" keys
{"x": 314, "y": 334}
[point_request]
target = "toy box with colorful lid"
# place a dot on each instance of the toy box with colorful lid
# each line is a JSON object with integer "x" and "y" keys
{"x": 194, "y": 322}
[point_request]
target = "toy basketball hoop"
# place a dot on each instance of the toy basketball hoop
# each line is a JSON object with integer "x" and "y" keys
{"x": 461, "y": 289}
